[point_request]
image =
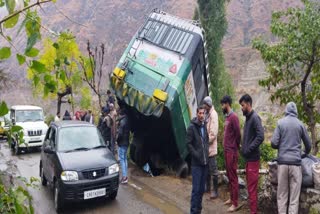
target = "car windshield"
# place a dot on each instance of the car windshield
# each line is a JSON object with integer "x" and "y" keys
{"x": 78, "y": 138}
{"x": 29, "y": 115}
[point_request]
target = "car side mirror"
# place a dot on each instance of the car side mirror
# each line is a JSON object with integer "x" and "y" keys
{"x": 48, "y": 150}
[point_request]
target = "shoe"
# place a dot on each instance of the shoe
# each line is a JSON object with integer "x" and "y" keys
{"x": 227, "y": 202}
{"x": 232, "y": 208}
{"x": 124, "y": 180}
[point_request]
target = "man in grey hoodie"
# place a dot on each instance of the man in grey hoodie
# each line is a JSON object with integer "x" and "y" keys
{"x": 287, "y": 139}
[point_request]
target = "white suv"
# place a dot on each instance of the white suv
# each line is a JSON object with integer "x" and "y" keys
{"x": 31, "y": 119}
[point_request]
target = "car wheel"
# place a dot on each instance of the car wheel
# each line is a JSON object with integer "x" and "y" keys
{"x": 43, "y": 178}
{"x": 58, "y": 204}
{"x": 113, "y": 195}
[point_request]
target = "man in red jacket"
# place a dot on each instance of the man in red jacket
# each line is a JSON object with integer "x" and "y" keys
{"x": 231, "y": 144}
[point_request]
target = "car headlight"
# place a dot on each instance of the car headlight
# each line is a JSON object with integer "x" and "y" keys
{"x": 69, "y": 176}
{"x": 113, "y": 169}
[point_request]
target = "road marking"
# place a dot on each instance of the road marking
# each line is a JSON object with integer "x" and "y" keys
{"x": 135, "y": 186}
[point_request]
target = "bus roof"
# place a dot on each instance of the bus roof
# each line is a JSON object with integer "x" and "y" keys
{"x": 169, "y": 32}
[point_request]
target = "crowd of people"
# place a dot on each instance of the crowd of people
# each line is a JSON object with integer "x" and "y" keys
{"x": 114, "y": 127}
{"x": 202, "y": 144}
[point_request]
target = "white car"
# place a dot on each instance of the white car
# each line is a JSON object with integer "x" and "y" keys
{"x": 31, "y": 119}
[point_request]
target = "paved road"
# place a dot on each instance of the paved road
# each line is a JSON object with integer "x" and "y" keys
{"x": 132, "y": 198}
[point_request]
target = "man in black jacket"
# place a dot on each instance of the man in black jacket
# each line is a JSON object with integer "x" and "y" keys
{"x": 104, "y": 126}
{"x": 123, "y": 143}
{"x": 198, "y": 146}
{"x": 253, "y": 136}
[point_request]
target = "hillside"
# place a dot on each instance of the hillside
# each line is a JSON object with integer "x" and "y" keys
{"x": 100, "y": 21}
{"x": 248, "y": 19}
{"x": 114, "y": 23}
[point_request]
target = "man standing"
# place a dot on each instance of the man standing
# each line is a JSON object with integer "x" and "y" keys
{"x": 287, "y": 139}
{"x": 212, "y": 129}
{"x": 197, "y": 142}
{"x": 123, "y": 143}
{"x": 89, "y": 117}
{"x": 110, "y": 98}
{"x": 105, "y": 126}
{"x": 113, "y": 114}
{"x": 253, "y": 136}
{"x": 231, "y": 144}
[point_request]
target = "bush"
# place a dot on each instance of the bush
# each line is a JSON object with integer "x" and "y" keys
{"x": 267, "y": 152}
{"x": 17, "y": 200}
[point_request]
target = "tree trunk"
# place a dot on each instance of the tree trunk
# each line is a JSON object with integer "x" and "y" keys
{"x": 315, "y": 148}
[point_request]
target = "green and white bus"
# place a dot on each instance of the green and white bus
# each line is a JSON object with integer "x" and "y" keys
{"x": 161, "y": 79}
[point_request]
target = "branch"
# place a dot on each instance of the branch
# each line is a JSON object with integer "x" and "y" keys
{"x": 68, "y": 17}
{"x": 23, "y": 9}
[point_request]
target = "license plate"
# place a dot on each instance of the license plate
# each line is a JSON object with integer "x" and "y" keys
{"x": 94, "y": 193}
{"x": 35, "y": 138}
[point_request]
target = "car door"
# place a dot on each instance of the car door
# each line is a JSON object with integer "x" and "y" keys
{"x": 44, "y": 158}
{"x": 51, "y": 156}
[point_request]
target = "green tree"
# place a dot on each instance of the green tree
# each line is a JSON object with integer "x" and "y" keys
{"x": 30, "y": 22}
{"x": 56, "y": 72}
{"x": 213, "y": 20}
{"x": 293, "y": 62}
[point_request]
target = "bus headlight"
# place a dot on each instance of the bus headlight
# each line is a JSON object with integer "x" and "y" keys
{"x": 119, "y": 73}
{"x": 160, "y": 95}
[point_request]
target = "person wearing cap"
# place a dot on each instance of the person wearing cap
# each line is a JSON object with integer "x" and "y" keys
{"x": 231, "y": 145}
{"x": 212, "y": 129}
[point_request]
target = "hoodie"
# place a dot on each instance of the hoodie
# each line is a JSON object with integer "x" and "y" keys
{"x": 198, "y": 143}
{"x": 288, "y": 135}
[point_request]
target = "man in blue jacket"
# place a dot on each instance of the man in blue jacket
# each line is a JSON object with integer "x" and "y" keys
{"x": 287, "y": 139}
{"x": 198, "y": 146}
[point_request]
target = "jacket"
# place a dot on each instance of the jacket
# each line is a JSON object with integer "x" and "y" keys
{"x": 288, "y": 135}
{"x": 232, "y": 135}
{"x": 198, "y": 146}
{"x": 253, "y": 136}
{"x": 104, "y": 126}
{"x": 123, "y": 131}
{"x": 212, "y": 128}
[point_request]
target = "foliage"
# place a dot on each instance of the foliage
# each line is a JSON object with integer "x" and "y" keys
{"x": 14, "y": 132}
{"x": 213, "y": 20}
{"x": 49, "y": 119}
{"x": 17, "y": 200}
{"x": 26, "y": 12}
{"x": 293, "y": 63}
{"x": 267, "y": 152}
{"x": 56, "y": 72}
